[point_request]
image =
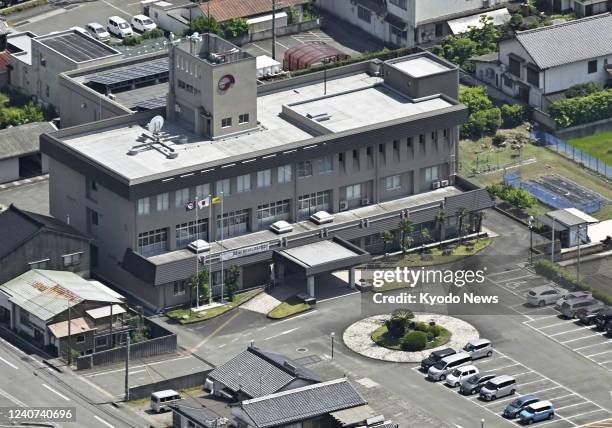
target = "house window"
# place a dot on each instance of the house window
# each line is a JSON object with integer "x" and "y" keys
{"x": 325, "y": 164}
{"x": 243, "y": 118}
{"x": 284, "y": 174}
{"x": 439, "y": 30}
{"x": 143, "y": 207}
{"x": 353, "y": 192}
{"x": 593, "y": 66}
{"x": 234, "y": 224}
{"x": 101, "y": 341}
{"x": 40, "y": 264}
{"x": 202, "y": 191}
{"x": 226, "y": 123}
{"x": 304, "y": 169}
{"x": 533, "y": 77}
{"x": 396, "y": 32}
{"x": 71, "y": 259}
{"x": 272, "y": 212}
{"x": 364, "y": 14}
{"x": 508, "y": 82}
{"x": 400, "y": 3}
{"x": 223, "y": 186}
{"x": 181, "y": 197}
{"x": 392, "y": 182}
{"x": 243, "y": 183}
{"x": 80, "y": 338}
{"x": 179, "y": 288}
{"x": 264, "y": 178}
{"x": 152, "y": 242}
{"x": 432, "y": 173}
{"x": 186, "y": 233}
{"x": 162, "y": 202}
{"x": 514, "y": 67}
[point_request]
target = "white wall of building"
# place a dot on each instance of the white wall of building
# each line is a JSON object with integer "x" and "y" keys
{"x": 432, "y": 9}
{"x": 9, "y": 170}
{"x": 560, "y": 78}
{"x": 348, "y": 11}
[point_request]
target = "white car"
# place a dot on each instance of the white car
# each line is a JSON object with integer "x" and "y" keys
{"x": 544, "y": 295}
{"x": 119, "y": 27}
{"x": 80, "y": 30}
{"x": 97, "y": 31}
{"x": 143, "y": 23}
{"x": 460, "y": 375}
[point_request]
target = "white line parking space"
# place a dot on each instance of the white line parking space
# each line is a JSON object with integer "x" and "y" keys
{"x": 571, "y": 408}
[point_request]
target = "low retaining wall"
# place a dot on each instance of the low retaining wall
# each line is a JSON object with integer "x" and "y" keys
{"x": 290, "y": 29}
{"x": 177, "y": 383}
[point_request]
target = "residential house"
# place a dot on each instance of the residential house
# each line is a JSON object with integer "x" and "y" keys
{"x": 34, "y": 241}
{"x": 536, "y": 65}
{"x": 20, "y": 150}
{"x": 255, "y": 373}
{"x": 581, "y": 8}
{"x": 62, "y": 312}
{"x": 407, "y": 23}
{"x": 189, "y": 414}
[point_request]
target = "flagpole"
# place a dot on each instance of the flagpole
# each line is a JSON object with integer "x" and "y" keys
{"x": 210, "y": 219}
{"x": 197, "y": 279}
{"x": 222, "y": 227}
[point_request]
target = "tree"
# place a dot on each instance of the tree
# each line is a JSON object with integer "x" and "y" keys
{"x": 425, "y": 236}
{"x": 398, "y": 322}
{"x": 387, "y": 238}
{"x": 480, "y": 123}
{"x": 461, "y": 214}
{"x": 198, "y": 281}
{"x": 406, "y": 227}
{"x": 513, "y": 115}
{"x": 292, "y": 15}
{"x": 440, "y": 220}
{"x": 234, "y": 27}
{"x": 475, "y": 98}
{"x": 204, "y": 24}
{"x": 232, "y": 281}
{"x": 480, "y": 216}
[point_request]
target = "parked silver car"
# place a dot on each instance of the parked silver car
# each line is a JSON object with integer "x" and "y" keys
{"x": 497, "y": 387}
{"x": 479, "y": 348}
{"x": 543, "y": 295}
{"x": 446, "y": 365}
{"x": 573, "y": 295}
{"x": 570, "y": 308}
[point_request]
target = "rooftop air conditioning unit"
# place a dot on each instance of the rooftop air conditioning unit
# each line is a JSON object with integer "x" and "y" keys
{"x": 199, "y": 246}
{"x": 321, "y": 217}
{"x": 486, "y": 3}
{"x": 444, "y": 183}
{"x": 365, "y": 201}
{"x": 281, "y": 226}
{"x": 343, "y": 205}
{"x": 435, "y": 185}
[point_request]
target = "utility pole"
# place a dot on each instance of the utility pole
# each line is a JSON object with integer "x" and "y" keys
{"x": 552, "y": 243}
{"x": 69, "y": 337}
{"x": 127, "y": 367}
{"x": 578, "y": 263}
{"x": 273, "y": 29}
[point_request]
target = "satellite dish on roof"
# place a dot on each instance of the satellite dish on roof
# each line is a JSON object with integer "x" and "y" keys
{"x": 155, "y": 125}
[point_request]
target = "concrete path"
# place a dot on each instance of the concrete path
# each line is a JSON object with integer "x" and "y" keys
{"x": 357, "y": 337}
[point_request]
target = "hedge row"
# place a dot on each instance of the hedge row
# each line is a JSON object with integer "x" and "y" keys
{"x": 580, "y": 110}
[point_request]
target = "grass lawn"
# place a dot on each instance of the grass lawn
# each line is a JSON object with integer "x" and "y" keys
{"x": 185, "y": 316}
{"x": 414, "y": 260}
{"x": 547, "y": 162}
{"x": 381, "y": 338}
{"x": 293, "y": 305}
{"x": 598, "y": 145}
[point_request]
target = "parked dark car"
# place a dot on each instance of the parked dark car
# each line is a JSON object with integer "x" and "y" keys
{"x": 587, "y": 315}
{"x": 436, "y": 356}
{"x": 513, "y": 409}
{"x": 473, "y": 384}
{"x": 609, "y": 329}
{"x": 603, "y": 318}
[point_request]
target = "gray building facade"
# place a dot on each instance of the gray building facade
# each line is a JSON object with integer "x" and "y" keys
{"x": 374, "y": 143}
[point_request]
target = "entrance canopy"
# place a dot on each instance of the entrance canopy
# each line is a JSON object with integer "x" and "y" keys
{"x": 322, "y": 256}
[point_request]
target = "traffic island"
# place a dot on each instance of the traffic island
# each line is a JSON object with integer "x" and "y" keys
{"x": 359, "y": 337}
{"x": 294, "y": 305}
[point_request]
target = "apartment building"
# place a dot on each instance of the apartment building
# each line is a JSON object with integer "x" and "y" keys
{"x": 370, "y": 143}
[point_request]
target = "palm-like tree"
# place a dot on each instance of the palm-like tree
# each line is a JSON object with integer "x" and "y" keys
{"x": 440, "y": 219}
{"x": 425, "y": 236}
{"x": 406, "y": 226}
{"x": 387, "y": 238}
{"x": 461, "y": 214}
{"x": 480, "y": 216}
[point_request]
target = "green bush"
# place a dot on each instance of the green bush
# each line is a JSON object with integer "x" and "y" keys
{"x": 513, "y": 115}
{"x": 414, "y": 341}
{"x": 518, "y": 197}
{"x": 480, "y": 123}
{"x": 132, "y": 40}
{"x": 156, "y": 33}
{"x": 475, "y": 98}
{"x": 581, "y": 110}
{"x": 584, "y": 89}
{"x": 397, "y": 324}
{"x": 422, "y": 326}
{"x": 435, "y": 330}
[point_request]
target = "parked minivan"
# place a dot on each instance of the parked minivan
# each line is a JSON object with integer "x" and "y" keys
{"x": 119, "y": 27}
{"x": 460, "y": 374}
{"x": 436, "y": 356}
{"x": 479, "y": 348}
{"x": 474, "y": 383}
{"x": 543, "y": 295}
{"x": 569, "y": 308}
{"x": 97, "y": 31}
{"x": 498, "y": 387}
{"x": 442, "y": 368}
{"x": 161, "y": 399}
{"x": 536, "y": 412}
{"x": 573, "y": 295}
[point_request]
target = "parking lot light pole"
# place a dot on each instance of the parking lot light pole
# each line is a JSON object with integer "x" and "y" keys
{"x": 332, "y": 343}
{"x": 530, "y": 239}
{"x": 482, "y": 423}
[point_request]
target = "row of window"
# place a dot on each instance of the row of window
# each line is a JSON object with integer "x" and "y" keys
{"x": 68, "y": 260}
{"x": 242, "y": 120}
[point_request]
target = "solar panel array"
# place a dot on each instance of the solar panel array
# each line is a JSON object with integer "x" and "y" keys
{"x": 151, "y": 103}
{"x": 130, "y": 73}
{"x": 77, "y": 47}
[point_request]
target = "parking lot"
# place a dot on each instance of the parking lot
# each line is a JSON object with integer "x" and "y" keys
{"x": 571, "y": 408}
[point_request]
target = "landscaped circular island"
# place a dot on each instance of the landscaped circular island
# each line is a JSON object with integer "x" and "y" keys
{"x": 362, "y": 337}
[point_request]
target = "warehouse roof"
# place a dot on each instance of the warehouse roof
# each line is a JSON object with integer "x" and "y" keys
{"x": 569, "y": 42}
{"x": 23, "y": 139}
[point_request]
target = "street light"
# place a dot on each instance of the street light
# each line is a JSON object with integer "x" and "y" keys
{"x": 482, "y": 423}
{"x": 332, "y": 342}
{"x": 530, "y": 223}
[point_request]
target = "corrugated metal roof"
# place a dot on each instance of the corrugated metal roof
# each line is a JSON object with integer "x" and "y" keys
{"x": 47, "y": 293}
{"x": 222, "y": 10}
{"x": 569, "y": 42}
{"x": 23, "y": 139}
{"x": 105, "y": 311}
{"x": 303, "y": 403}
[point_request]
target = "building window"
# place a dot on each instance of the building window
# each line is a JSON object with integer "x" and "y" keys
{"x": 80, "y": 338}
{"x": 143, "y": 207}
{"x": 186, "y": 233}
{"x": 593, "y": 66}
{"x": 162, "y": 202}
{"x": 91, "y": 188}
{"x": 313, "y": 202}
{"x": 243, "y": 118}
{"x": 223, "y": 186}
{"x": 304, "y": 169}
{"x": 284, "y": 174}
{"x": 396, "y": 150}
{"x": 353, "y": 192}
{"x": 226, "y": 123}
{"x": 202, "y": 191}
{"x": 234, "y": 224}
{"x": 508, "y": 82}
{"x": 243, "y": 183}
{"x": 40, "y": 264}
{"x": 101, "y": 341}
{"x": 432, "y": 173}
{"x": 272, "y": 212}
{"x": 264, "y": 178}
{"x": 181, "y": 197}
{"x": 400, "y": 3}
{"x": 152, "y": 242}
{"x": 439, "y": 30}
{"x": 396, "y": 32}
{"x": 71, "y": 259}
{"x": 24, "y": 318}
{"x": 514, "y": 67}
{"x": 533, "y": 77}
{"x": 392, "y": 182}
{"x": 326, "y": 164}
{"x": 179, "y": 288}
{"x": 364, "y": 14}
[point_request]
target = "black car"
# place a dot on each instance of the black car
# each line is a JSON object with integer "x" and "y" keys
{"x": 473, "y": 384}
{"x": 609, "y": 329}
{"x": 603, "y": 318}
{"x": 436, "y": 356}
{"x": 588, "y": 315}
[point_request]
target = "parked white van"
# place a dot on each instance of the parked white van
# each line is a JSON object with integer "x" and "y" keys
{"x": 161, "y": 399}
{"x": 461, "y": 374}
{"x": 119, "y": 27}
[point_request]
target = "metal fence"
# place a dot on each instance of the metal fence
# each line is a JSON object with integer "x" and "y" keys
{"x": 560, "y": 146}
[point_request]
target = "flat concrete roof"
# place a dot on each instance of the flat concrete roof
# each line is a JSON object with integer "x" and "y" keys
{"x": 109, "y": 147}
{"x": 363, "y": 107}
{"x": 420, "y": 66}
{"x": 76, "y": 46}
{"x": 319, "y": 253}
